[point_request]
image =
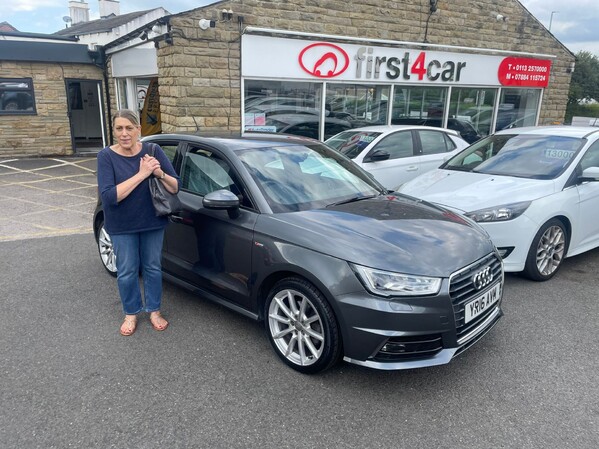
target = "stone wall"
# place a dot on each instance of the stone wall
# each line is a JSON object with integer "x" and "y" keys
{"x": 47, "y": 133}
{"x": 200, "y": 72}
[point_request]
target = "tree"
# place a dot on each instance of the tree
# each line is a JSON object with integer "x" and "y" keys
{"x": 585, "y": 79}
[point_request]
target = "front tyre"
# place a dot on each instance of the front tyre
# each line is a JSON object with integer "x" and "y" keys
{"x": 106, "y": 249}
{"x": 547, "y": 251}
{"x": 301, "y": 326}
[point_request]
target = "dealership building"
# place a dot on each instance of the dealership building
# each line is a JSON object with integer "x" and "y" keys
{"x": 315, "y": 68}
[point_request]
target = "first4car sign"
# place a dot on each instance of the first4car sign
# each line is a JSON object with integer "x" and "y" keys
{"x": 300, "y": 59}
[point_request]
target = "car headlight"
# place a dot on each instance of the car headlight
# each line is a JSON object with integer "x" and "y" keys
{"x": 387, "y": 283}
{"x": 499, "y": 213}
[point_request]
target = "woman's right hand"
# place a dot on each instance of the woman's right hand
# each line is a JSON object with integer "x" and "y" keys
{"x": 147, "y": 165}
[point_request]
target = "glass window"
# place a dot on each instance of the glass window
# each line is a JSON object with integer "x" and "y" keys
{"x": 474, "y": 106}
{"x": 121, "y": 88}
{"x": 434, "y": 142}
{"x": 304, "y": 177}
{"x": 398, "y": 145}
{"x": 361, "y": 104}
{"x": 204, "y": 172}
{"x": 526, "y": 155}
{"x": 518, "y": 108}
{"x": 417, "y": 103}
{"x": 591, "y": 157}
{"x": 16, "y": 96}
{"x": 352, "y": 143}
{"x": 283, "y": 107}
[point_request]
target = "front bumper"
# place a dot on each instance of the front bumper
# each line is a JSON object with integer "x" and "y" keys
{"x": 419, "y": 332}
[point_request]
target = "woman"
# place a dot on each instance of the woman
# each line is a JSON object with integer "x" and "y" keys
{"x": 129, "y": 217}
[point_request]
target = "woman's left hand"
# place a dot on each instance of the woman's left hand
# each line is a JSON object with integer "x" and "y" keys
{"x": 153, "y": 162}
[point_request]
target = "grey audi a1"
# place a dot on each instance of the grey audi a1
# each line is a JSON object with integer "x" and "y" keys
{"x": 293, "y": 234}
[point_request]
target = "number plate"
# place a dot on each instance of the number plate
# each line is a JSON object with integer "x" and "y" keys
{"x": 482, "y": 303}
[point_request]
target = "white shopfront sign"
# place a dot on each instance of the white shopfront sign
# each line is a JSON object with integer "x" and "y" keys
{"x": 299, "y": 59}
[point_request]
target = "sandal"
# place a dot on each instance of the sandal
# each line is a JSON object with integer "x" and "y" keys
{"x": 158, "y": 322}
{"x": 129, "y": 325}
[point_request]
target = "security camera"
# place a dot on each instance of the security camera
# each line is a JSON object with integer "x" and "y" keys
{"x": 205, "y": 24}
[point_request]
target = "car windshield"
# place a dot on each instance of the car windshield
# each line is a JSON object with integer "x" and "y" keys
{"x": 351, "y": 143}
{"x": 304, "y": 177}
{"x": 521, "y": 155}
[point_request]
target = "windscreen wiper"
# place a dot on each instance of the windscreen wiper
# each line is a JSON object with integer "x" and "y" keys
{"x": 352, "y": 200}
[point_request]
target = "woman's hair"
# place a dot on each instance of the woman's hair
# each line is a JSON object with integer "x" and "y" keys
{"x": 128, "y": 114}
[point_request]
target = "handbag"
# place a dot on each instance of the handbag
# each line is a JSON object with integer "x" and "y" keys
{"x": 165, "y": 202}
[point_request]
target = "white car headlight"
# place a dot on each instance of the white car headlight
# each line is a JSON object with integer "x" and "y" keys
{"x": 387, "y": 283}
{"x": 499, "y": 213}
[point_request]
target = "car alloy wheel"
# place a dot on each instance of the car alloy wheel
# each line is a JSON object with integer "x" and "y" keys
{"x": 301, "y": 326}
{"x": 106, "y": 250}
{"x": 547, "y": 251}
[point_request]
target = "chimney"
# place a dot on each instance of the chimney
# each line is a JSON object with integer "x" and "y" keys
{"x": 109, "y": 7}
{"x": 79, "y": 12}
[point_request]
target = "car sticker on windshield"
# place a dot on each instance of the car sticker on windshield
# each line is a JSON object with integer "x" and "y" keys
{"x": 366, "y": 138}
{"x": 552, "y": 153}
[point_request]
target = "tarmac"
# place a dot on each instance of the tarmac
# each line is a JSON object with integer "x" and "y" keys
{"x": 45, "y": 197}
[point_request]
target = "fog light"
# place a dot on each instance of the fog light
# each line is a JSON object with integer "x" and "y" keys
{"x": 505, "y": 251}
{"x": 395, "y": 348}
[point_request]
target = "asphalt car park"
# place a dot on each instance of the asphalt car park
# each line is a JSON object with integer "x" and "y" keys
{"x": 210, "y": 381}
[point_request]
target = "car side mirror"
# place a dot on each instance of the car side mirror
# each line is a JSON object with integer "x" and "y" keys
{"x": 222, "y": 200}
{"x": 590, "y": 174}
{"x": 377, "y": 155}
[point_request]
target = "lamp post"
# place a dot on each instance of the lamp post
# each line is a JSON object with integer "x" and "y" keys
{"x": 551, "y": 19}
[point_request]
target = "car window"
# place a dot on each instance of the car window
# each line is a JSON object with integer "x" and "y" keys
{"x": 591, "y": 157}
{"x": 294, "y": 178}
{"x": 527, "y": 155}
{"x": 203, "y": 172}
{"x": 434, "y": 142}
{"x": 398, "y": 145}
{"x": 352, "y": 143}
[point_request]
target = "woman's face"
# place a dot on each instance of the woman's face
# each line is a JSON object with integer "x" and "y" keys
{"x": 126, "y": 133}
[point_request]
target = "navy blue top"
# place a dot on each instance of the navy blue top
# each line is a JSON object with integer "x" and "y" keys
{"x": 135, "y": 213}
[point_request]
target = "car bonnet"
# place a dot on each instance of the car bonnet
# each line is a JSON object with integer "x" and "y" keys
{"x": 473, "y": 191}
{"x": 391, "y": 232}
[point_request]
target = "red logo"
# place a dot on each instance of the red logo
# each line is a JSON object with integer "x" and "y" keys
{"x": 323, "y": 60}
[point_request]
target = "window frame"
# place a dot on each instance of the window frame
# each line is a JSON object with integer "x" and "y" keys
{"x": 29, "y": 91}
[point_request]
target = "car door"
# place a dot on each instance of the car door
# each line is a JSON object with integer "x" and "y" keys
{"x": 435, "y": 146}
{"x": 588, "y": 193}
{"x": 403, "y": 163}
{"x": 211, "y": 249}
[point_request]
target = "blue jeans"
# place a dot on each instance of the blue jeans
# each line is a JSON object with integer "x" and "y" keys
{"x": 139, "y": 252}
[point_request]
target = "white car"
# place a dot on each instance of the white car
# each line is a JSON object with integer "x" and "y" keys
{"x": 397, "y": 153}
{"x": 535, "y": 190}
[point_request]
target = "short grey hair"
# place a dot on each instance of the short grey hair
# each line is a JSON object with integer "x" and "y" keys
{"x": 127, "y": 114}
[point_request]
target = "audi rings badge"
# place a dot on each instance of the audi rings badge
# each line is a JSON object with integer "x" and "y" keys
{"x": 482, "y": 278}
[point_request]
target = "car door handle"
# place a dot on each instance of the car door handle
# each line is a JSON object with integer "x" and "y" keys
{"x": 412, "y": 168}
{"x": 175, "y": 219}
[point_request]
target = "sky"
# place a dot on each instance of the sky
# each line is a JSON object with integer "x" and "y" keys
{"x": 574, "y": 23}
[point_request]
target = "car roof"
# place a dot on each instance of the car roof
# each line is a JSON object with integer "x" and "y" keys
{"x": 389, "y": 128}
{"x": 557, "y": 130}
{"x": 294, "y": 119}
{"x": 237, "y": 141}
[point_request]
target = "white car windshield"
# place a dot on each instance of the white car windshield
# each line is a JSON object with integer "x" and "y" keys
{"x": 351, "y": 143}
{"x": 294, "y": 178}
{"x": 521, "y": 155}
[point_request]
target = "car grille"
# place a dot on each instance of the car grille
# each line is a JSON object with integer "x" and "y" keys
{"x": 462, "y": 290}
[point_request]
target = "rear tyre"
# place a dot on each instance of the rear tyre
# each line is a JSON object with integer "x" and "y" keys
{"x": 301, "y": 326}
{"x": 547, "y": 251}
{"x": 106, "y": 250}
